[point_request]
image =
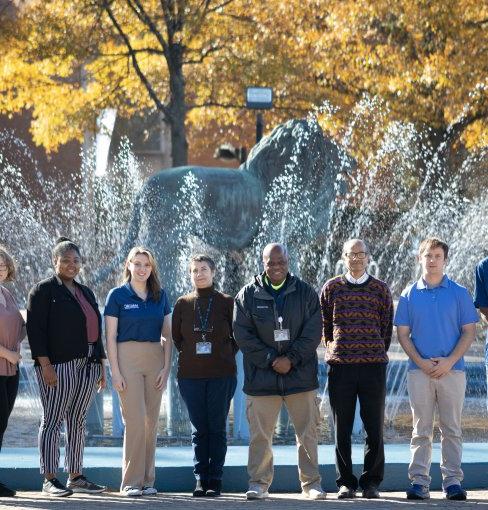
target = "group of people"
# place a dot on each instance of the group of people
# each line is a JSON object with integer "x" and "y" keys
{"x": 278, "y": 322}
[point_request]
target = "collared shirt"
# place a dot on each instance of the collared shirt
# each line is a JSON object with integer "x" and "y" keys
{"x": 435, "y": 317}
{"x": 138, "y": 319}
{"x": 481, "y": 285}
{"x": 356, "y": 281}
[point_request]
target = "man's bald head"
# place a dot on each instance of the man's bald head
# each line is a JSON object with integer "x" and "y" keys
{"x": 355, "y": 254}
{"x": 275, "y": 262}
{"x": 278, "y": 247}
{"x": 354, "y": 243}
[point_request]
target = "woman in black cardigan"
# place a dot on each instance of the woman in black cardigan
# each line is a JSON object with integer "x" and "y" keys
{"x": 64, "y": 330}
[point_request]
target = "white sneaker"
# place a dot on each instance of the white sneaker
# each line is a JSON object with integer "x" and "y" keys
{"x": 149, "y": 491}
{"x": 132, "y": 492}
{"x": 256, "y": 491}
{"x": 314, "y": 491}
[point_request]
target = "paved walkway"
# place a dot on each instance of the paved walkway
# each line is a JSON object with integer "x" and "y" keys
{"x": 390, "y": 500}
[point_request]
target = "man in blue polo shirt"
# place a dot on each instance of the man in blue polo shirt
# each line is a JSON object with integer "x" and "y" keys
{"x": 481, "y": 298}
{"x": 436, "y": 324}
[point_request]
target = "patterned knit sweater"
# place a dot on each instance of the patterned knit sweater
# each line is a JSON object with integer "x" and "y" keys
{"x": 357, "y": 320}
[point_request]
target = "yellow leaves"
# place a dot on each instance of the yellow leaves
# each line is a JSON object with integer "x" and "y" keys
{"x": 423, "y": 58}
{"x": 476, "y": 135}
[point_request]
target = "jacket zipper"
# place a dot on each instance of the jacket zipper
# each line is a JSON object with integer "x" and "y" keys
{"x": 277, "y": 325}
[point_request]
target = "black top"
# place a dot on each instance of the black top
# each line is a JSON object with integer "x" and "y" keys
{"x": 255, "y": 319}
{"x": 56, "y": 324}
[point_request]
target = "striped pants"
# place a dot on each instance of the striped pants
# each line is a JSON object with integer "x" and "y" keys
{"x": 67, "y": 402}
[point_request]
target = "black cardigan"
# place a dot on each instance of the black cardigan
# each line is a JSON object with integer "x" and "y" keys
{"x": 56, "y": 324}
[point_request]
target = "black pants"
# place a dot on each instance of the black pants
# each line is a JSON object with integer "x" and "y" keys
{"x": 9, "y": 385}
{"x": 367, "y": 383}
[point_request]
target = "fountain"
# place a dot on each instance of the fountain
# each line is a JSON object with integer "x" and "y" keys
{"x": 297, "y": 187}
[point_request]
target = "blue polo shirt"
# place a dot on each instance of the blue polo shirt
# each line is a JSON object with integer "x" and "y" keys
{"x": 481, "y": 284}
{"x": 138, "y": 320}
{"x": 435, "y": 317}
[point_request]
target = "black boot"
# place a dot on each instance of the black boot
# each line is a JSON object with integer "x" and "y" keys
{"x": 213, "y": 488}
{"x": 200, "y": 488}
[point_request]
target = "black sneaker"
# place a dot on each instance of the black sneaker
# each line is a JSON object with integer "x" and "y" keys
{"x": 371, "y": 492}
{"x": 346, "y": 492}
{"x": 214, "y": 488}
{"x": 5, "y": 492}
{"x": 200, "y": 488}
{"x": 81, "y": 484}
{"x": 55, "y": 488}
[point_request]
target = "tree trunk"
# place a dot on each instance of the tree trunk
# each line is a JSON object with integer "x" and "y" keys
{"x": 177, "y": 107}
{"x": 179, "y": 144}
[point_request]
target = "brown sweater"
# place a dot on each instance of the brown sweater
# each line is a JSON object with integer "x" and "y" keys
{"x": 221, "y": 362}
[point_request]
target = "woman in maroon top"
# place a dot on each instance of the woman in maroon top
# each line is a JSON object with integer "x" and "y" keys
{"x": 12, "y": 331}
{"x": 64, "y": 331}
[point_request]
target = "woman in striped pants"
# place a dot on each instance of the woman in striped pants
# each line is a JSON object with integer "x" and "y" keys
{"x": 64, "y": 331}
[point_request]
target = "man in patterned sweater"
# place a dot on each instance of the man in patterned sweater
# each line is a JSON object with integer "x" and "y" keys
{"x": 357, "y": 316}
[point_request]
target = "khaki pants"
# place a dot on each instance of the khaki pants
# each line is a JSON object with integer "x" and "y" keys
{"x": 425, "y": 394}
{"x": 140, "y": 364}
{"x": 262, "y": 413}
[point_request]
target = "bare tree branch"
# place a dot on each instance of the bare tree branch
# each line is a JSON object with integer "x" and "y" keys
{"x": 459, "y": 126}
{"x": 220, "y": 6}
{"x": 168, "y": 11}
{"x": 146, "y": 19}
{"x": 159, "y": 105}
{"x": 150, "y": 51}
{"x": 203, "y": 54}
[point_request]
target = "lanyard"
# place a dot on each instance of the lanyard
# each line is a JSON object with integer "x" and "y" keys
{"x": 204, "y": 322}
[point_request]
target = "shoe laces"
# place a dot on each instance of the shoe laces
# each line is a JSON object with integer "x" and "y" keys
{"x": 56, "y": 483}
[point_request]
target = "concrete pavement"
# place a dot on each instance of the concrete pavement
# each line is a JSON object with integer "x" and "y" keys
{"x": 179, "y": 501}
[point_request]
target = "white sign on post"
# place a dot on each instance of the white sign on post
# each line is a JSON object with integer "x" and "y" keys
{"x": 260, "y": 98}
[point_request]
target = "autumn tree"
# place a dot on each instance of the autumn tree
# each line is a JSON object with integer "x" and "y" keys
{"x": 428, "y": 60}
{"x": 68, "y": 60}
{"x": 191, "y": 59}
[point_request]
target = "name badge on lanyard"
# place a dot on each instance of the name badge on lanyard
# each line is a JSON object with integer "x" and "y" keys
{"x": 204, "y": 346}
{"x": 281, "y": 335}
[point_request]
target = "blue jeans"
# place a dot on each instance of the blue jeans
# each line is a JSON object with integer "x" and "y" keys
{"x": 208, "y": 403}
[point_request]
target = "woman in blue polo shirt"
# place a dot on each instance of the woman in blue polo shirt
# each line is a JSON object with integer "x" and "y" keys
{"x": 138, "y": 329}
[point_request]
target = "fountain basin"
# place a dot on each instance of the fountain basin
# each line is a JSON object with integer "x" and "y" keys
{"x": 19, "y": 467}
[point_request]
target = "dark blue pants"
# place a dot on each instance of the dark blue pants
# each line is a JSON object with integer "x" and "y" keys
{"x": 208, "y": 402}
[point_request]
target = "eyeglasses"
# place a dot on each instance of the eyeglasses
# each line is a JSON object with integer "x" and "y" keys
{"x": 358, "y": 255}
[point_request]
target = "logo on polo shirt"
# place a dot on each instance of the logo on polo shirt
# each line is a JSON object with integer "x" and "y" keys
{"x": 131, "y": 306}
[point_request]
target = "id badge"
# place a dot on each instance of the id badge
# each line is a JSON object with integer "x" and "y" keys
{"x": 204, "y": 347}
{"x": 281, "y": 335}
